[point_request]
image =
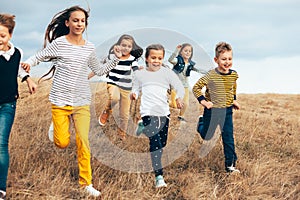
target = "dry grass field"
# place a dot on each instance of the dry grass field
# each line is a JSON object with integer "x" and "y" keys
{"x": 267, "y": 136}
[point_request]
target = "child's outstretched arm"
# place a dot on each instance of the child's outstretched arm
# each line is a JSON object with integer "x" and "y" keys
{"x": 197, "y": 91}
{"x": 173, "y": 59}
{"x": 31, "y": 85}
{"x": 236, "y": 104}
{"x": 25, "y": 77}
{"x": 135, "y": 88}
{"x": 200, "y": 71}
{"x": 99, "y": 67}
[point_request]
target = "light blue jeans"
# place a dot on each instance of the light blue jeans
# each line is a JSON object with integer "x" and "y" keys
{"x": 7, "y": 115}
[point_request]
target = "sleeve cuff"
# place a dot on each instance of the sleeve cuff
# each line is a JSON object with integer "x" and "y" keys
{"x": 201, "y": 98}
{"x": 25, "y": 78}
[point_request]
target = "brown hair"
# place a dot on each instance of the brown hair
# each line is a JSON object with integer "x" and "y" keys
{"x": 136, "y": 51}
{"x": 57, "y": 28}
{"x": 153, "y": 47}
{"x": 185, "y": 45}
{"x": 221, "y": 47}
{"x": 8, "y": 21}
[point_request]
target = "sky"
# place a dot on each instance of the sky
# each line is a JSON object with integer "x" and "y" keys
{"x": 264, "y": 34}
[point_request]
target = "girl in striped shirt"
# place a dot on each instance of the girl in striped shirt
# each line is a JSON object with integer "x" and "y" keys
{"x": 120, "y": 83}
{"x": 70, "y": 95}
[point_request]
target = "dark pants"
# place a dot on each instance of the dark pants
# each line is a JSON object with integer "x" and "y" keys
{"x": 7, "y": 115}
{"x": 223, "y": 117}
{"x": 156, "y": 129}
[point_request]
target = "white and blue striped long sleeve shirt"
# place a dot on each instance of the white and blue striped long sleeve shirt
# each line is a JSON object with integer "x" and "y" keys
{"x": 70, "y": 82}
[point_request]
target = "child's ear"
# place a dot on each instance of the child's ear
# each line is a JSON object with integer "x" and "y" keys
{"x": 67, "y": 23}
{"x": 215, "y": 59}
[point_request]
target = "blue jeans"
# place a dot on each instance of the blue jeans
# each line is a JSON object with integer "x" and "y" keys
{"x": 222, "y": 117}
{"x": 7, "y": 115}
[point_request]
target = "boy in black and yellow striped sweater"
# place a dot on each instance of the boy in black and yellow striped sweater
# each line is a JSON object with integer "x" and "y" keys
{"x": 218, "y": 101}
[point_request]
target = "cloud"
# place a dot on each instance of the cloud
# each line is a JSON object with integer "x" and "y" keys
{"x": 257, "y": 29}
{"x": 269, "y": 75}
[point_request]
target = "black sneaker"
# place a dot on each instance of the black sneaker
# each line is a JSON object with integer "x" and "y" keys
{"x": 199, "y": 126}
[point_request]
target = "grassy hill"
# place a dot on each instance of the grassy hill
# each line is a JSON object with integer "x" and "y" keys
{"x": 267, "y": 136}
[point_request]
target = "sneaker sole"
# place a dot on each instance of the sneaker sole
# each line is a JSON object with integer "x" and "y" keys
{"x": 101, "y": 124}
{"x": 161, "y": 186}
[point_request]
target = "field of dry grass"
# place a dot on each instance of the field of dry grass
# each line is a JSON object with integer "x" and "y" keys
{"x": 267, "y": 135}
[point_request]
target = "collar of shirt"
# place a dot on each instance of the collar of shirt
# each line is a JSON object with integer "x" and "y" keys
{"x": 9, "y": 53}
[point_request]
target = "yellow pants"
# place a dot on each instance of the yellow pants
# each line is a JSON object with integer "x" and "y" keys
{"x": 185, "y": 101}
{"x": 61, "y": 117}
{"x": 118, "y": 95}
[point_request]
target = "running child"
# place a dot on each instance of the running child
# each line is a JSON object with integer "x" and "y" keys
{"x": 183, "y": 64}
{"x": 10, "y": 57}
{"x": 219, "y": 101}
{"x": 154, "y": 82}
{"x": 70, "y": 95}
{"x": 120, "y": 83}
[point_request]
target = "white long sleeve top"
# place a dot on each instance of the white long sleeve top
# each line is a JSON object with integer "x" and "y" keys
{"x": 154, "y": 88}
{"x": 70, "y": 82}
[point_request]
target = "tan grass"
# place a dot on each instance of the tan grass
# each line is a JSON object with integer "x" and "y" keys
{"x": 267, "y": 143}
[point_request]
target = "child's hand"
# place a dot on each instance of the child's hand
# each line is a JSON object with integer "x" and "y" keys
{"x": 179, "y": 103}
{"x": 207, "y": 104}
{"x": 179, "y": 47}
{"x": 236, "y": 105}
{"x": 31, "y": 85}
{"x": 25, "y": 66}
{"x": 132, "y": 96}
{"x": 141, "y": 67}
{"x": 91, "y": 75}
{"x": 117, "y": 51}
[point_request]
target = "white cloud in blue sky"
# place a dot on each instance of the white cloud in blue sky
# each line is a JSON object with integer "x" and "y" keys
{"x": 263, "y": 33}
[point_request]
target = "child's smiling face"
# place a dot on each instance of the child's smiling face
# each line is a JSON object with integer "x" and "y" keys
{"x": 126, "y": 46}
{"x": 186, "y": 52}
{"x": 155, "y": 60}
{"x": 76, "y": 22}
{"x": 224, "y": 61}
{"x": 5, "y": 36}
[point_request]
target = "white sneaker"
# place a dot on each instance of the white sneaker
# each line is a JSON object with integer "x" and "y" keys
{"x": 51, "y": 132}
{"x": 232, "y": 169}
{"x": 2, "y": 195}
{"x": 160, "y": 182}
{"x": 92, "y": 191}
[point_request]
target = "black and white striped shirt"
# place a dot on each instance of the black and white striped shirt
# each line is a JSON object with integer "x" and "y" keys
{"x": 70, "y": 82}
{"x": 122, "y": 74}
